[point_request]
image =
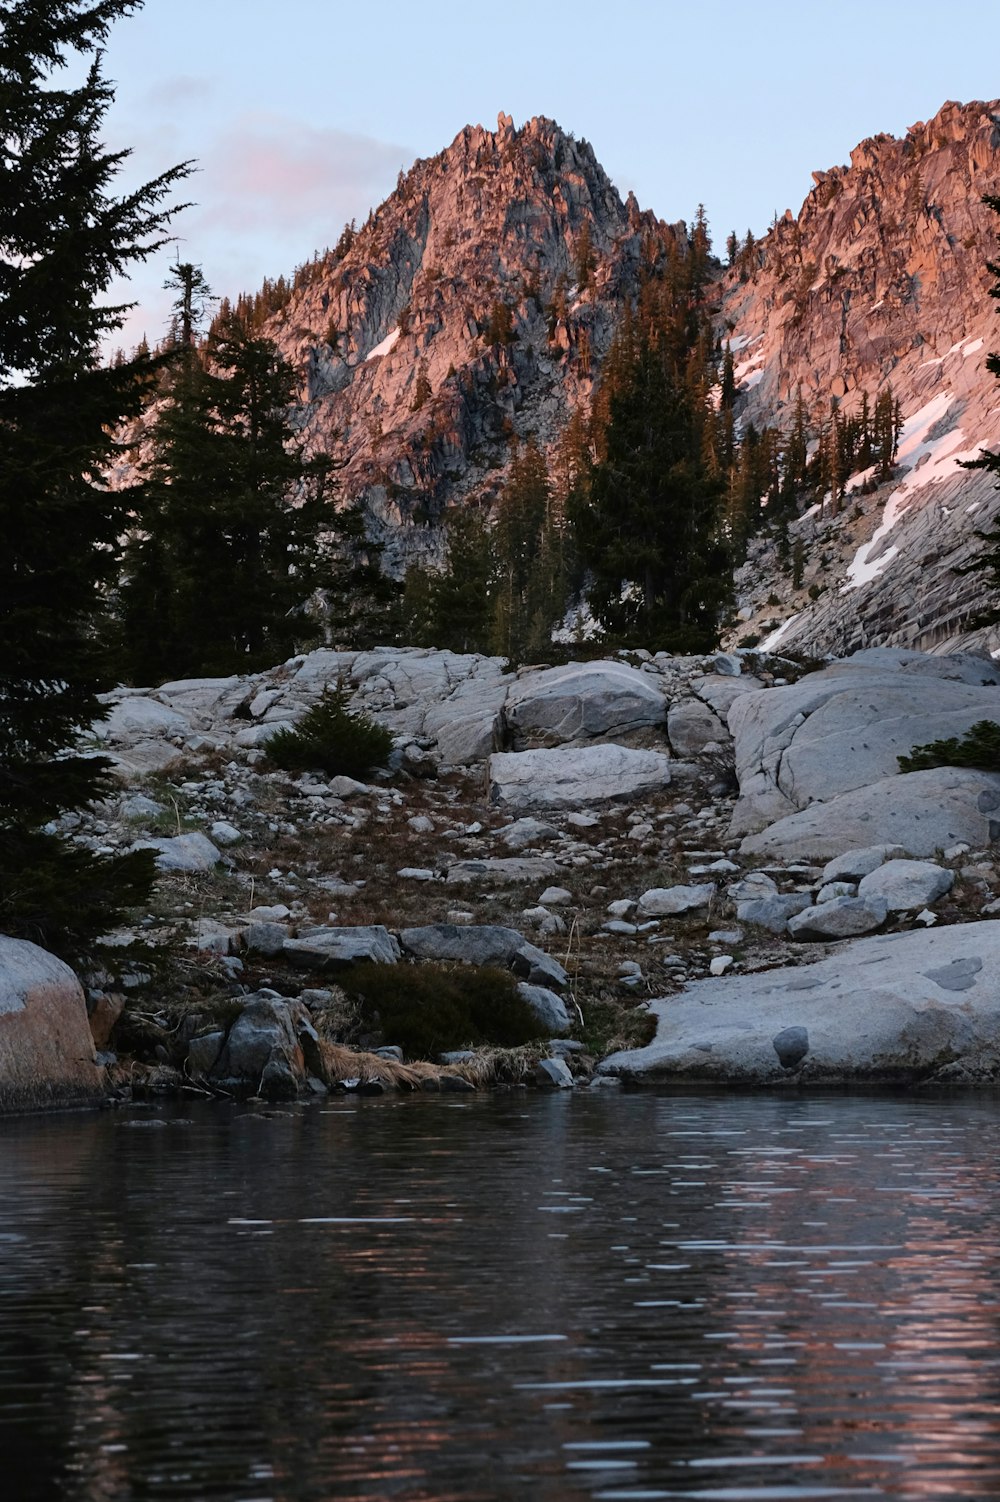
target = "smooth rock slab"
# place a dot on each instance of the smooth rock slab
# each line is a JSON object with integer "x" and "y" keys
{"x": 336, "y": 948}
{"x": 920, "y": 812}
{"x": 575, "y": 778}
{"x": 484, "y": 944}
{"x": 46, "y": 1047}
{"x": 907, "y": 886}
{"x": 897, "y": 1006}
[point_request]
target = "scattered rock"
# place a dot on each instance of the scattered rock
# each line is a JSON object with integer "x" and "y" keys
{"x": 336, "y": 948}
{"x": 907, "y": 885}
{"x": 668, "y": 901}
{"x": 840, "y": 918}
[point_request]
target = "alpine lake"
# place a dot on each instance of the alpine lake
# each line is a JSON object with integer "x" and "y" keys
{"x": 586, "y": 1294}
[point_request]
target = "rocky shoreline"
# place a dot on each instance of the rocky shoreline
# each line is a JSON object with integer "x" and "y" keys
{"x": 697, "y": 868}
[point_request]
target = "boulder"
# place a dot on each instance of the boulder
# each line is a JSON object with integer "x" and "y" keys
{"x": 773, "y": 912}
{"x": 692, "y": 725}
{"x": 137, "y": 718}
{"x": 852, "y": 865}
{"x": 920, "y": 812}
{"x": 554, "y": 1073}
{"x": 895, "y": 1007}
{"x": 484, "y": 944}
{"x": 336, "y": 948}
{"x": 549, "y": 1008}
{"x": 184, "y": 852}
{"x": 46, "y": 1047}
{"x": 270, "y": 1048}
{"x": 907, "y": 886}
{"x": 840, "y": 918}
{"x": 581, "y": 702}
{"x": 573, "y": 778}
{"x": 525, "y": 832}
{"x": 660, "y": 902}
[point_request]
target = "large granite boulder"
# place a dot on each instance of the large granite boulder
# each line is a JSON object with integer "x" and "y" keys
{"x": 843, "y": 728}
{"x": 326, "y": 948}
{"x": 898, "y": 1006}
{"x": 485, "y": 944}
{"x": 525, "y": 780}
{"x": 919, "y": 812}
{"x": 46, "y": 1046}
{"x": 270, "y": 1050}
{"x": 581, "y": 702}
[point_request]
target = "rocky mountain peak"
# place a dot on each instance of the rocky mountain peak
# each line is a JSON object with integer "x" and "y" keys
{"x": 473, "y": 306}
{"x": 882, "y": 280}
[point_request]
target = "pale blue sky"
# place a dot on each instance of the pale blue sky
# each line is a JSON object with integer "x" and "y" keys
{"x": 301, "y": 112}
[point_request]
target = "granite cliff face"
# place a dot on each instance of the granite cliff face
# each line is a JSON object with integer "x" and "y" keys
{"x": 474, "y": 306}
{"x": 882, "y": 280}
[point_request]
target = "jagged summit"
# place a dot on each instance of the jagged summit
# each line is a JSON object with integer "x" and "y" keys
{"x": 882, "y": 279}
{"x": 475, "y": 304}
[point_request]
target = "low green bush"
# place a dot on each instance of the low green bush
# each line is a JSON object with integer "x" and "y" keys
{"x": 978, "y": 747}
{"x": 330, "y": 738}
{"x": 428, "y": 1009}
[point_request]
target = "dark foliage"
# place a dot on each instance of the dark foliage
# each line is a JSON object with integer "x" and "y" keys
{"x": 428, "y": 1009}
{"x": 330, "y": 738}
{"x": 978, "y": 747}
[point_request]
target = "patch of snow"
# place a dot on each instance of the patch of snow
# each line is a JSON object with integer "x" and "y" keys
{"x": 770, "y": 642}
{"x": 928, "y": 462}
{"x": 939, "y": 361}
{"x": 859, "y": 479}
{"x": 973, "y": 348}
{"x": 973, "y": 507}
{"x": 736, "y": 342}
{"x": 752, "y": 380}
{"x": 383, "y": 347}
{"x": 814, "y": 510}
{"x": 876, "y": 305}
{"x": 743, "y": 370}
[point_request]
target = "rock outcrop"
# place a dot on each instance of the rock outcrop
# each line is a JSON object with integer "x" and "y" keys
{"x": 881, "y": 279}
{"x": 47, "y": 1053}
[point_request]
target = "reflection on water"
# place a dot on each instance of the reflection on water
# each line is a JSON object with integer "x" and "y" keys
{"x": 617, "y": 1297}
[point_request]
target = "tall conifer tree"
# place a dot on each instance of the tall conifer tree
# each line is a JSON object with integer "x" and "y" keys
{"x": 65, "y": 238}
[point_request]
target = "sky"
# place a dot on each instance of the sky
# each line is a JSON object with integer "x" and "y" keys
{"x": 299, "y": 114}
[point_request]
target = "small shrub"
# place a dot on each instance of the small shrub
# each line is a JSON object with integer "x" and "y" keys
{"x": 428, "y": 1009}
{"x": 329, "y": 738}
{"x": 978, "y": 747}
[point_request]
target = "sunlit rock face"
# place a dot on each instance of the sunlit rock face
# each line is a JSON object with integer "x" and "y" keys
{"x": 881, "y": 279}
{"x": 467, "y": 312}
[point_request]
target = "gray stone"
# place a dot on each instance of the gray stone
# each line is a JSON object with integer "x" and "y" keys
{"x": 525, "y": 832}
{"x": 581, "y": 702}
{"x": 265, "y": 938}
{"x": 268, "y": 1048}
{"x": 692, "y": 725}
{"x": 138, "y": 806}
{"x": 791, "y": 1045}
{"x": 852, "y": 865}
{"x": 667, "y": 901}
{"x": 774, "y": 912}
{"x": 556, "y": 896}
{"x": 225, "y": 834}
{"x": 549, "y": 1008}
{"x": 203, "y": 1053}
{"x": 918, "y": 1004}
{"x": 502, "y": 870}
{"x": 834, "y": 889}
{"x": 570, "y": 778}
{"x": 336, "y": 948}
{"x": 907, "y": 886}
{"x": 840, "y": 918}
{"x": 137, "y": 718}
{"x": 47, "y": 1053}
{"x": 485, "y": 944}
{"x": 554, "y": 1072}
{"x": 191, "y": 853}
{"x": 754, "y": 887}
{"x": 921, "y": 812}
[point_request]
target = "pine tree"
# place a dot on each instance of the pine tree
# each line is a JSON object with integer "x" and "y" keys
{"x": 451, "y": 610}
{"x": 229, "y": 549}
{"x": 522, "y": 514}
{"x": 65, "y": 237}
{"x": 649, "y": 535}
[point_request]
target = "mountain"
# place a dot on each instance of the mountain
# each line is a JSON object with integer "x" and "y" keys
{"x": 881, "y": 280}
{"x": 474, "y": 306}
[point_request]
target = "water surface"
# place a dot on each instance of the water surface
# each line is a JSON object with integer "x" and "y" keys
{"x": 588, "y": 1295}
